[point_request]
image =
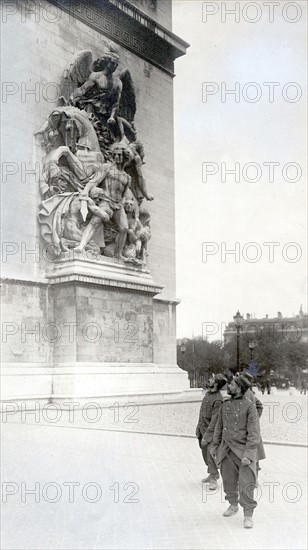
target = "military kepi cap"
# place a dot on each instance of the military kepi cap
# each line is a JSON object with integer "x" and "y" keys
{"x": 242, "y": 382}
{"x": 220, "y": 380}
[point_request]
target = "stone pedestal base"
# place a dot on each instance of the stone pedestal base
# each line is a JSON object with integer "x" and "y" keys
{"x": 94, "y": 329}
{"x": 103, "y": 311}
{"x": 92, "y": 381}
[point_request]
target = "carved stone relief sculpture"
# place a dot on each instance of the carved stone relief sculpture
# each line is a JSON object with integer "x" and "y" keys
{"x": 93, "y": 186}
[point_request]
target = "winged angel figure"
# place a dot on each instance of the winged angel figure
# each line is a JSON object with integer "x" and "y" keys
{"x": 108, "y": 99}
{"x": 95, "y": 118}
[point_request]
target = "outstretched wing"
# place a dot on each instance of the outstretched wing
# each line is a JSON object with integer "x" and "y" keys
{"x": 76, "y": 73}
{"x": 127, "y": 108}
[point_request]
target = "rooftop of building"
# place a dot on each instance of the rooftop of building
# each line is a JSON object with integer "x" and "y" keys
{"x": 250, "y": 318}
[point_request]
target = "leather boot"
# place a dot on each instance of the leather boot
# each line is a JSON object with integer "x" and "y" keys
{"x": 248, "y": 523}
{"x": 206, "y": 479}
{"x": 233, "y": 508}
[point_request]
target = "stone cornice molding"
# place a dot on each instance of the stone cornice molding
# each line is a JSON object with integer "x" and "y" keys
{"x": 104, "y": 273}
{"x": 174, "y": 302}
{"x": 131, "y": 28}
{"x": 141, "y": 288}
{"x": 24, "y": 282}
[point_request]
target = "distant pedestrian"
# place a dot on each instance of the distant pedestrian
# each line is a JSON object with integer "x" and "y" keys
{"x": 235, "y": 446}
{"x": 303, "y": 387}
{"x": 205, "y": 428}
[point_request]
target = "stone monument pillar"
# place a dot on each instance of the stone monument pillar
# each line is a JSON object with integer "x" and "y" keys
{"x": 88, "y": 251}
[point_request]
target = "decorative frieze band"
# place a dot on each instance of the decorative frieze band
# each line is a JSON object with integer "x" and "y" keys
{"x": 125, "y": 24}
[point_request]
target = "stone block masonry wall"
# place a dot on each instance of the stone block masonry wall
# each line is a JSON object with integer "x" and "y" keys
{"x": 164, "y": 332}
{"x": 74, "y": 323}
{"x": 111, "y": 326}
{"x": 26, "y": 323}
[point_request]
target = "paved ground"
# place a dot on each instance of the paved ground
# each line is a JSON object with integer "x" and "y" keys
{"x": 284, "y": 417}
{"x": 147, "y": 490}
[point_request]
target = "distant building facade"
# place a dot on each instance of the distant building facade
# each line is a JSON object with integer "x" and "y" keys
{"x": 293, "y": 329}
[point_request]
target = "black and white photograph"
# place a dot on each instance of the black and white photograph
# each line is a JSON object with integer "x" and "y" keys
{"x": 154, "y": 315}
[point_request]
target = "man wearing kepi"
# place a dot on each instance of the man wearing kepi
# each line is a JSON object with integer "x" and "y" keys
{"x": 250, "y": 395}
{"x": 205, "y": 428}
{"x": 235, "y": 447}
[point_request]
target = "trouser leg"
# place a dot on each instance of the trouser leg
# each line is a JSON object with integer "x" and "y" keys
{"x": 229, "y": 474}
{"x": 209, "y": 461}
{"x": 211, "y": 464}
{"x": 204, "y": 454}
{"x": 247, "y": 484}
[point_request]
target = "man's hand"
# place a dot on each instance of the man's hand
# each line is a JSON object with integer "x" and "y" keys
{"x": 245, "y": 461}
{"x": 214, "y": 453}
{"x": 207, "y": 439}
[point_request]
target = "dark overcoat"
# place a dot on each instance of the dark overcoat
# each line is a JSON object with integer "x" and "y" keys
{"x": 238, "y": 429}
{"x": 250, "y": 395}
{"x": 208, "y": 414}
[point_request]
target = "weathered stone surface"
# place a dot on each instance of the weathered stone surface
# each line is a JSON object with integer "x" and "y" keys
{"x": 26, "y": 315}
{"x": 42, "y": 66}
{"x": 45, "y": 307}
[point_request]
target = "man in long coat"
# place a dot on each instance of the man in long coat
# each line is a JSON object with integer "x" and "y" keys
{"x": 235, "y": 447}
{"x": 205, "y": 428}
{"x": 251, "y": 396}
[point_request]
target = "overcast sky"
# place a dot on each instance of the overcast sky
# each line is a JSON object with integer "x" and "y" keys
{"x": 263, "y": 124}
